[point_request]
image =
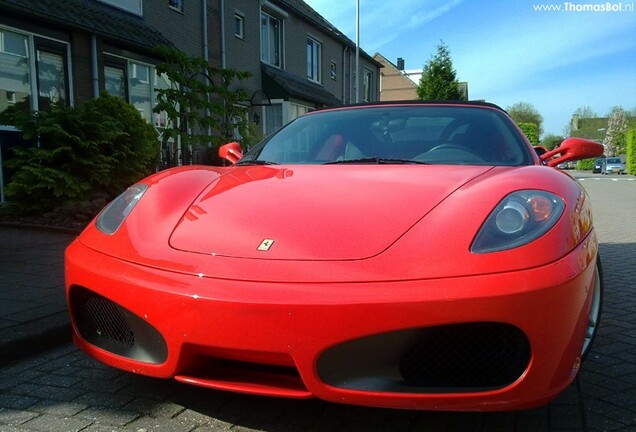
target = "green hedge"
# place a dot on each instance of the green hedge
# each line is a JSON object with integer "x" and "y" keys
{"x": 631, "y": 150}
{"x": 78, "y": 154}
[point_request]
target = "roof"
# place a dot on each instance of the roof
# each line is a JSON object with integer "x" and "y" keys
{"x": 473, "y": 103}
{"x": 280, "y": 84}
{"x": 92, "y": 17}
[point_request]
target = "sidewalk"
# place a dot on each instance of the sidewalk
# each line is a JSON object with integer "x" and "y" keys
{"x": 33, "y": 314}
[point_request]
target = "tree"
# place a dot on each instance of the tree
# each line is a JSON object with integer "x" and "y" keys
{"x": 200, "y": 98}
{"x": 551, "y": 141}
{"x": 585, "y": 112}
{"x": 439, "y": 79}
{"x": 530, "y": 131}
{"x": 615, "y": 137}
{"x": 524, "y": 112}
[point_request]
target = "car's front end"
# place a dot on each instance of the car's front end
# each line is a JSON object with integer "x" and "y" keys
{"x": 483, "y": 342}
{"x": 465, "y": 286}
{"x": 443, "y": 329}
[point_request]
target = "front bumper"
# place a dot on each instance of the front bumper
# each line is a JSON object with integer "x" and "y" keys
{"x": 288, "y": 339}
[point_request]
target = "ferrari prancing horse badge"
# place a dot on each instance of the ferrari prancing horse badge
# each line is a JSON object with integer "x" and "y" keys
{"x": 265, "y": 245}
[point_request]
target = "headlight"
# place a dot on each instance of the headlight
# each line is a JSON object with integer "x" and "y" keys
{"x": 114, "y": 214}
{"x": 520, "y": 218}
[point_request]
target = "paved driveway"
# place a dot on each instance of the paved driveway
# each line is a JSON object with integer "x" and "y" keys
{"x": 63, "y": 390}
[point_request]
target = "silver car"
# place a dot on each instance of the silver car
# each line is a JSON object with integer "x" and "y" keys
{"x": 613, "y": 165}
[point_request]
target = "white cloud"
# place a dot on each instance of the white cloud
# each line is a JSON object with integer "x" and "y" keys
{"x": 381, "y": 22}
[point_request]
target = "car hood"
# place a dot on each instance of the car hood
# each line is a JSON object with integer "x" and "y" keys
{"x": 307, "y": 212}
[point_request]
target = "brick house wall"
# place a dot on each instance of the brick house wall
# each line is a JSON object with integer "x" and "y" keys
{"x": 183, "y": 28}
{"x": 395, "y": 84}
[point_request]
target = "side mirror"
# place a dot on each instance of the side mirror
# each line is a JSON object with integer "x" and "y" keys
{"x": 231, "y": 152}
{"x": 540, "y": 150}
{"x": 572, "y": 149}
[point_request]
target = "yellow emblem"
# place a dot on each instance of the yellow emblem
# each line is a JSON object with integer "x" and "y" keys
{"x": 266, "y": 245}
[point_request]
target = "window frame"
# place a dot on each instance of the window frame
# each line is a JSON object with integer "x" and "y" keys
{"x": 176, "y": 5}
{"x": 129, "y": 65}
{"x": 58, "y": 49}
{"x": 266, "y": 55}
{"x": 239, "y": 25}
{"x": 119, "y": 64}
{"x": 33, "y": 44}
{"x": 3, "y": 43}
{"x": 367, "y": 85}
{"x": 314, "y": 59}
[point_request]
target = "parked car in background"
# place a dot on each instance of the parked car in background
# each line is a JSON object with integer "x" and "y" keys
{"x": 598, "y": 164}
{"x": 612, "y": 165}
{"x": 567, "y": 165}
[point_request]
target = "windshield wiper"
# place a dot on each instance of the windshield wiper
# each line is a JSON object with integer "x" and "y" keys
{"x": 374, "y": 160}
{"x": 256, "y": 162}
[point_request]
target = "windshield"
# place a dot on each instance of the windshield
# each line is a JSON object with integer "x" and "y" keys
{"x": 427, "y": 134}
{"x": 613, "y": 161}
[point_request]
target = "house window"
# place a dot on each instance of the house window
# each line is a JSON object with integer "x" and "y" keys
{"x": 314, "y": 54}
{"x": 130, "y": 80}
{"x": 273, "y": 117}
{"x": 116, "y": 77}
{"x": 334, "y": 71}
{"x": 139, "y": 89}
{"x": 140, "y": 73}
{"x": 14, "y": 69}
{"x": 271, "y": 40}
{"x": 239, "y": 26}
{"x": 161, "y": 83}
{"x": 33, "y": 71}
{"x": 13, "y": 43}
{"x": 176, "y": 5}
{"x": 51, "y": 73}
{"x": 368, "y": 86}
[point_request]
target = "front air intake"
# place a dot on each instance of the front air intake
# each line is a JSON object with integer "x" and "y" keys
{"x": 105, "y": 319}
{"x": 469, "y": 356}
{"x": 114, "y": 328}
{"x": 455, "y": 358}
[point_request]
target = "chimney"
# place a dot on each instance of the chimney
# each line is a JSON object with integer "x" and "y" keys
{"x": 400, "y": 63}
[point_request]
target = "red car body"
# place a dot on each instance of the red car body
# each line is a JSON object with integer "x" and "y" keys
{"x": 353, "y": 282}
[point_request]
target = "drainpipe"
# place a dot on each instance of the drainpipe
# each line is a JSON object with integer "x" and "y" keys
{"x": 344, "y": 75}
{"x": 223, "y": 60}
{"x": 94, "y": 68}
{"x": 357, "y": 80}
{"x": 204, "y": 8}
{"x": 351, "y": 80}
{"x": 206, "y": 55}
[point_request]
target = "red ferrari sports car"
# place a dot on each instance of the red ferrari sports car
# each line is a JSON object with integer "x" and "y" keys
{"x": 408, "y": 255}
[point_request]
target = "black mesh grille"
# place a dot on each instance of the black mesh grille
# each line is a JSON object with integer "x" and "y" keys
{"x": 114, "y": 328}
{"x": 467, "y": 356}
{"x": 103, "y": 318}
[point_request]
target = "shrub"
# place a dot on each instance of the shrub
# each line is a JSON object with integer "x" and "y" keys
{"x": 585, "y": 164}
{"x": 79, "y": 154}
{"x": 630, "y": 148}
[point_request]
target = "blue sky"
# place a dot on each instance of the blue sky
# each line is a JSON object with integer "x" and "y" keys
{"x": 508, "y": 51}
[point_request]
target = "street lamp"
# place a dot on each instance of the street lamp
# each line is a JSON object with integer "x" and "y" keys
{"x": 357, "y": 82}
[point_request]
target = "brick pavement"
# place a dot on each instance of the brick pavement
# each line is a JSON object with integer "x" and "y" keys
{"x": 33, "y": 311}
{"x": 63, "y": 390}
